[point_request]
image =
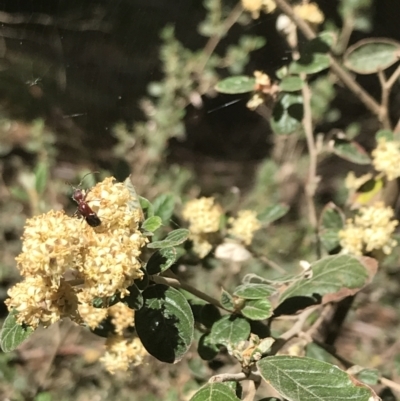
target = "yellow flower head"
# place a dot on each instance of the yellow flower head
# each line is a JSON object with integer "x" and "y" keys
{"x": 255, "y": 6}
{"x": 203, "y": 215}
{"x": 386, "y": 158}
{"x": 122, "y": 317}
{"x": 244, "y": 226}
{"x": 309, "y": 12}
{"x": 64, "y": 261}
{"x": 121, "y": 353}
{"x": 371, "y": 229}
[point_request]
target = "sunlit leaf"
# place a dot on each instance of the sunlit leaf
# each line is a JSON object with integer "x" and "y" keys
{"x": 215, "y": 392}
{"x": 306, "y": 379}
{"x": 174, "y": 238}
{"x": 257, "y": 309}
{"x": 13, "y": 334}
{"x": 165, "y": 324}
{"x": 371, "y": 55}
{"x": 230, "y": 330}
{"x": 236, "y": 85}
{"x": 287, "y": 114}
{"x": 161, "y": 260}
{"x": 164, "y": 207}
{"x": 254, "y": 291}
{"x": 291, "y": 84}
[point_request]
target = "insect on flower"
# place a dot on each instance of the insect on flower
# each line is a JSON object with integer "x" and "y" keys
{"x": 79, "y": 196}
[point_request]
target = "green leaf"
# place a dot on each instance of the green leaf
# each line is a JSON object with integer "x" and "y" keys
{"x": 306, "y": 379}
{"x": 385, "y": 133}
{"x": 174, "y": 238}
{"x": 41, "y": 176}
{"x": 152, "y": 224}
{"x": 350, "y": 150}
{"x": 257, "y": 309}
{"x": 236, "y": 85}
{"x": 273, "y": 213}
{"x": 291, "y": 84}
{"x": 13, "y": 334}
{"x": 206, "y": 348}
{"x": 254, "y": 291}
{"x": 164, "y": 207}
{"x": 165, "y": 324}
{"x": 227, "y": 300}
{"x": 368, "y": 56}
{"x": 230, "y": 330}
{"x": 161, "y": 260}
{"x": 146, "y": 206}
{"x": 135, "y": 299}
{"x": 369, "y": 376}
{"x": 314, "y": 56}
{"x": 331, "y": 222}
{"x": 215, "y": 392}
{"x": 329, "y": 275}
{"x": 287, "y": 114}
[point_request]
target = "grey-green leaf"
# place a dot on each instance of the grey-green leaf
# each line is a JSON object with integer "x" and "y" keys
{"x": 291, "y": 84}
{"x": 236, "y": 85}
{"x": 368, "y": 56}
{"x": 164, "y": 206}
{"x": 254, "y": 291}
{"x": 152, "y": 224}
{"x": 215, "y": 392}
{"x": 306, "y": 379}
{"x": 161, "y": 260}
{"x": 257, "y": 309}
{"x": 351, "y": 151}
{"x": 230, "y": 330}
{"x": 13, "y": 334}
{"x": 287, "y": 114}
{"x": 273, "y": 213}
{"x": 174, "y": 238}
{"x": 165, "y": 323}
{"x": 331, "y": 222}
{"x": 329, "y": 275}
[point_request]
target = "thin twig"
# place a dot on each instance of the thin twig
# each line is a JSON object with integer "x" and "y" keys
{"x": 225, "y": 377}
{"x": 214, "y": 40}
{"x": 345, "y": 77}
{"x": 312, "y": 180}
{"x": 175, "y": 282}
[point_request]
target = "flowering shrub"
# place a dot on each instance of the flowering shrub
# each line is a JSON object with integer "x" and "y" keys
{"x": 126, "y": 279}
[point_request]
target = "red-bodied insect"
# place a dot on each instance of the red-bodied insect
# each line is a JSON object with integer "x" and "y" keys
{"x": 79, "y": 196}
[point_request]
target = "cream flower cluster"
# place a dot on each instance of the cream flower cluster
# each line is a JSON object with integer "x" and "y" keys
{"x": 204, "y": 217}
{"x": 371, "y": 229}
{"x": 255, "y": 6}
{"x": 66, "y": 264}
{"x": 244, "y": 226}
{"x": 386, "y": 158}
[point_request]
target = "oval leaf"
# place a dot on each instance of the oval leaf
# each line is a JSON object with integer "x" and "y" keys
{"x": 291, "y": 84}
{"x": 135, "y": 299}
{"x": 152, "y": 224}
{"x": 350, "y": 150}
{"x": 230, "y": 330}
{"x": 236, "y": 85}
{"x": 258, "y": 309}
{"x": 161, "y": 260}
{"x": 13, "y": 334}
{"x": 329, "y": 275}
{"x": 287, "y": 114}
{"x": 273, "y": 213}
{"x": 300, "y": 379}
{"x": 215, "y": 392}
{"x": 174, "y": 238}
{"x": 254, "y": 291}
{"x": 165, "y": 323}
{"x": 164, "y": 207}
{"x": 207, "y": 349}
{"x": 369, "y": 56}
{"x": 331, "y": 222}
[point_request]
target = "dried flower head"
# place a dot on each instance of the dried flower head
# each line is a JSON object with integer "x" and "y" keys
{"x": 386, "y": 158}
{"x": 371, "y": 229}
{"x": 122, "y": 317}
{"x": 244, "y": 226}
